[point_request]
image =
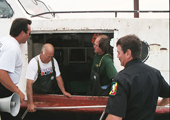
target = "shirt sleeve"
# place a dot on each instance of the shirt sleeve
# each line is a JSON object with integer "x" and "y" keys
{"x": 56, "y": 68}
{"x": 117, "y": 101}
{"x": 32, "y": 69}
{"x": 110, "y": 70}
{"x": 165, "y": 88}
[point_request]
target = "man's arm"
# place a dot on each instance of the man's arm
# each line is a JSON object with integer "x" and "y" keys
{"x": 113, "y": 117}
{"x": 61, "y": 86}
{"x": 30, "y": 106}
{"x": 163, "y": 102}
{"x": 7, "y": 83}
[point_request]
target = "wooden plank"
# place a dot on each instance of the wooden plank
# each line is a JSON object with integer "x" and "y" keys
{"x": 63, "y": 101}
{"x": 59, "y": 101}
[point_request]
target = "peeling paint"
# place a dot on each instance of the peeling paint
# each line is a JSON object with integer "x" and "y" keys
{"x": 163, "y": 49}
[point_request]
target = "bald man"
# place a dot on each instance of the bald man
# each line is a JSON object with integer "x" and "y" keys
{"x": 41, "y": 74}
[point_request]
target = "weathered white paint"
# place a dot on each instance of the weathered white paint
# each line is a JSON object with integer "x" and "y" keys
{"x": 153, "y": 31}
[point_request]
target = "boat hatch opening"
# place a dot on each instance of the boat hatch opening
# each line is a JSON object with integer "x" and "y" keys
{"x": 74, "y": 53}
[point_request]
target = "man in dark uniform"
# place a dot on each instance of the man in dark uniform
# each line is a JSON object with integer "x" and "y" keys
{"x": 135, "y": 89}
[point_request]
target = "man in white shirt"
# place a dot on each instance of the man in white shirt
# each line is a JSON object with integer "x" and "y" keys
{"x": 42, "y": 73}
{"x": 11, "y": 61}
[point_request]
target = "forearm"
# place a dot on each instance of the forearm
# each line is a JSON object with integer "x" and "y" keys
{"x": 60, "y": 84}
{"x": 163, "y": 102}
{"x": 7, "y": 82}
{"x": 29, "y": 92}
{"x": 30, "y": 104}
{"x": 113, "y": 117}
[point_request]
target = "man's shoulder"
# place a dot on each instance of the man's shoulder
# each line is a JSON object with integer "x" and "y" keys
{"x": 138, "y": 69}
{"x": 9, "y": 43}
{"x": 107, "y": 58}
{"x": 55, "y": 62}
{"x": 143, "y": 67}
{"x": 34, "y": 60}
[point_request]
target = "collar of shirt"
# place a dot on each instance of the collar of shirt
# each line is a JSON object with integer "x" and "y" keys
{"x": 132, "y": 62}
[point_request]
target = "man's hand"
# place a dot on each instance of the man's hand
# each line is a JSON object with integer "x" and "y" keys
{"x": 31, "y": 107}
{"x": 67, "y": 94}
{"x": 22, "y": 96}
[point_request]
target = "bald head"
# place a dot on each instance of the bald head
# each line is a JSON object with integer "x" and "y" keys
{"x": 47, "y": 53}
{"x": 47, "y": 48}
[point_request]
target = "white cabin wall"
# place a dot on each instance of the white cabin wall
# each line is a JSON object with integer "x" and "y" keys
{"x": 153, "y": 31}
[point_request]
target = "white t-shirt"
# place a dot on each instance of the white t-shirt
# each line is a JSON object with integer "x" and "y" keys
{"x": 46, "y": 68}
{"x": 10, "y": 57}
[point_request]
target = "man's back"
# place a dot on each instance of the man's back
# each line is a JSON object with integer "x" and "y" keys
{"x": 10, "y": 50}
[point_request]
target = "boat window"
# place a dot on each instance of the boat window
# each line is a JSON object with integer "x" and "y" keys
{"x": 5, "y": 10}
{"x": 34, "y": 7}
{"x": 145, "y": 51}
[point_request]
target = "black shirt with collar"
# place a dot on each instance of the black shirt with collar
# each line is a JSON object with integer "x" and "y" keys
{"x": 136, "y": 93}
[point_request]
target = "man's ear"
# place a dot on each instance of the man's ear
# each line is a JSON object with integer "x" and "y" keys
{"x": 42, "y": 52}
{"x": 22, "y": 33}
{"x": 129, "y": 53}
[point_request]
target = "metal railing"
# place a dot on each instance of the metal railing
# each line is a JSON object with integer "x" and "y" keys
{"x": 109, "y": 11}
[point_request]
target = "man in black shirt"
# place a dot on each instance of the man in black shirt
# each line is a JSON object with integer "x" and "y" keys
{"x": 135, "y": 89}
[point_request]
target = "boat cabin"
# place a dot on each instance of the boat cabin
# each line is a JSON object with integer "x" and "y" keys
{"x": 72, "y": 39}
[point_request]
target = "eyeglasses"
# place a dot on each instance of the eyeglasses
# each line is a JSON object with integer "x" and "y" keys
{"x": 95, "y": 45}
{"x": 48, "y": 56}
